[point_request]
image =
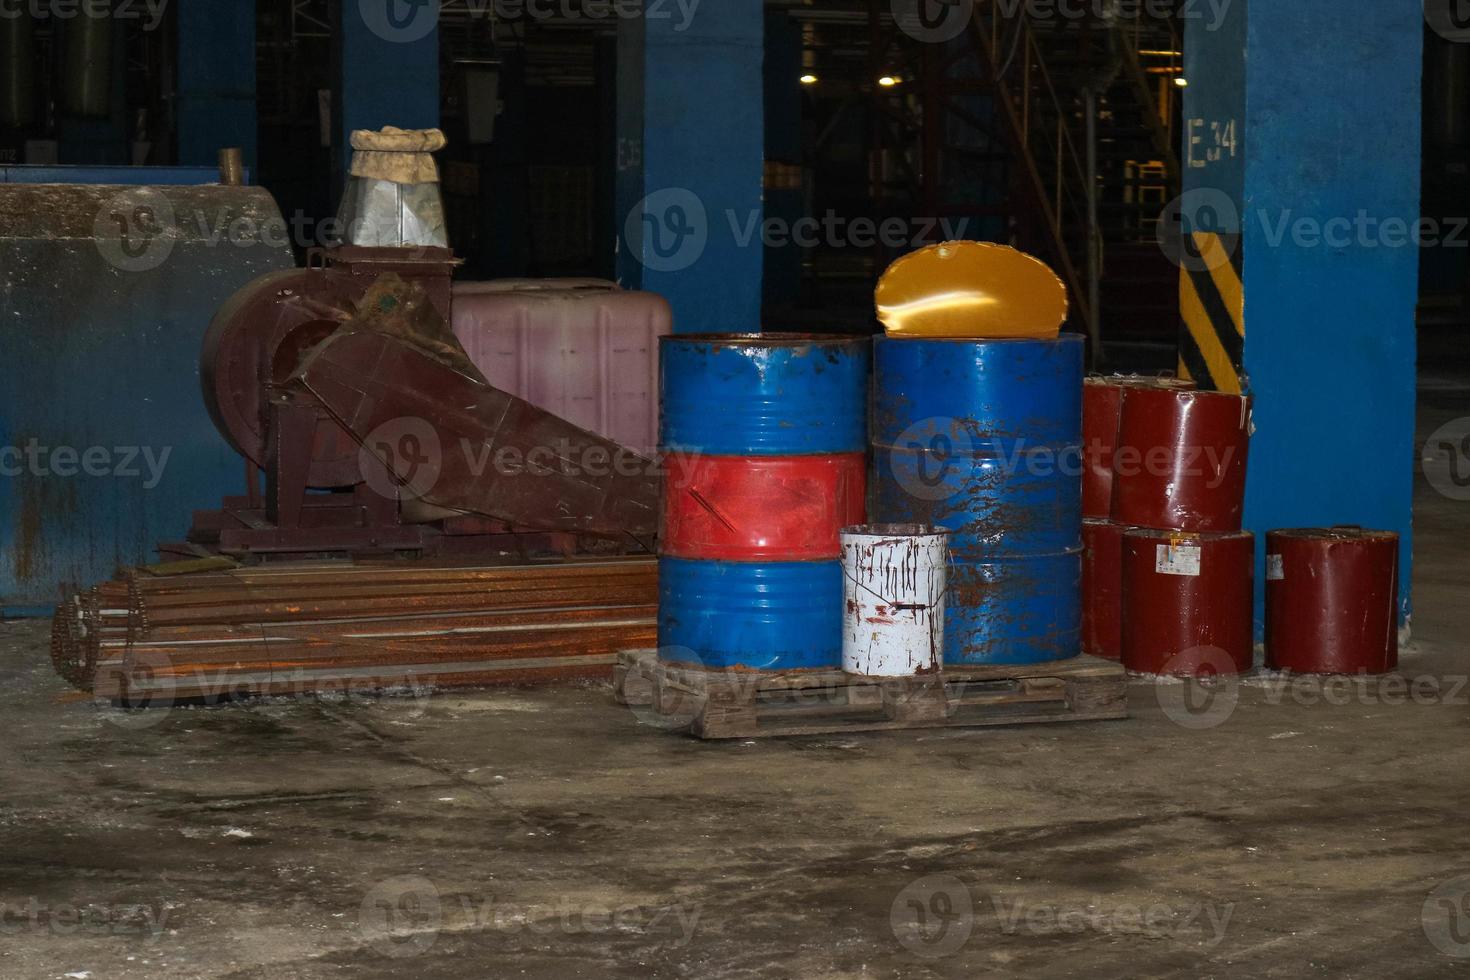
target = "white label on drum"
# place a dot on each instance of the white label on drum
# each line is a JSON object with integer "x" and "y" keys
{"x": 1178, "y": 559}
{"x": 1275, "y": 570}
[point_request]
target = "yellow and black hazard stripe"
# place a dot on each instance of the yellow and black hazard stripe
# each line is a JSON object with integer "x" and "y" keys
{"x": 1212, "y": 308}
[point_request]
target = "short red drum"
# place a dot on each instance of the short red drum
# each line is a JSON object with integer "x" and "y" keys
{"x": 1102, "y": 409}
{"x": 1181, "y": 459}
{"x": 1188, "y": 602}
{"x": 1332, "y": 601}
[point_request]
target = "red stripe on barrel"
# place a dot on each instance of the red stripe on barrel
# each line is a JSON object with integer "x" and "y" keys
{"x": 1188, "y": 602}
{"x": 761, "y": 508}
{"x": 1332, "y": 601}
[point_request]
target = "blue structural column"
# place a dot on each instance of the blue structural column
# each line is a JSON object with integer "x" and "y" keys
{"x": 386, "y": 67}
{"x": 1301, "y": 159}
{"x": 216, "y": 80}
{"x": 691, "y": 158}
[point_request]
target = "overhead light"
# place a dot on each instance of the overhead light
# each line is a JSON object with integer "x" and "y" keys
{"x": 1181, "y": 81}
{"x": 888, "y": 81}
{"x": 809, "y": 79}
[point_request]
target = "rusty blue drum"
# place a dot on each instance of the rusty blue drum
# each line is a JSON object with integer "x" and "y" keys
{"x": 1014, "y": 610}
{"x": 984, "y": 438}
{"x": 1000, "y": 391}
{"x": 1020, "y": 503}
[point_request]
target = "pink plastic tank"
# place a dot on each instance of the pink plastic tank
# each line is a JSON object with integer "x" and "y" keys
{"x": 584, "y": 349}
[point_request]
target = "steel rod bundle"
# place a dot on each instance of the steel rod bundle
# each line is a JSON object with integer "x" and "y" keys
{"x": 298, "y": 628}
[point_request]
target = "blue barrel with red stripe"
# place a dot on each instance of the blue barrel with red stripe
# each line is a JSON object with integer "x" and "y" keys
{"x": 984, "y": 438}
{"x": 764, "y": 445}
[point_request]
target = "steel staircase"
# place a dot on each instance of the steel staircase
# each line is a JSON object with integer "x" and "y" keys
{"x": 1005, "y": 109}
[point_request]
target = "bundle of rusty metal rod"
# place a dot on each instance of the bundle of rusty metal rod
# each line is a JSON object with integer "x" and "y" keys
{"x": 301, "y": 628}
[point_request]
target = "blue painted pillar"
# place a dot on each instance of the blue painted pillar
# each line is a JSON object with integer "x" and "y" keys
{"x": 691, "y": 153}
{"x": 1301, "y": 159}
{"x": 386, "y": 61}
{"x": 216, "y": 93}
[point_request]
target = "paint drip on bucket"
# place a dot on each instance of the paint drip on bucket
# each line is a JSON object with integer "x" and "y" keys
{"x": 894, "y": 581}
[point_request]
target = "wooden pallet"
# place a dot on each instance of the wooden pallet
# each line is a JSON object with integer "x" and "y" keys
{"x": 738, "y": 704}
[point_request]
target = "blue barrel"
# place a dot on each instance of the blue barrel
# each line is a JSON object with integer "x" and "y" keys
{"x": 984, "y": 438}
{"x": 751, "y": 615}
{"x": 757, "y": 397}
{"x": 1014, "y": 610}
{"x": 1017, "y": 503}
{"x": 764, "y": 394}
{"x": 1007, "y": 390}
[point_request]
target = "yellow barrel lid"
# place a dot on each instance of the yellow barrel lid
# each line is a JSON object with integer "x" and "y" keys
{"x": 971, "y": 289}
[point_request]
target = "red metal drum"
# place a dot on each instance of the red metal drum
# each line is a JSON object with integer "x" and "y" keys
{"x": 1102, "y": 588}
{"x": 761, "y": 508}
{"x": 1188, "y": 602}
{"x": 1332, "y": 601}
{"x": 1181, "y": 459}
{"x": 1102, "y": 407}
{"x": 1102, "y": 404}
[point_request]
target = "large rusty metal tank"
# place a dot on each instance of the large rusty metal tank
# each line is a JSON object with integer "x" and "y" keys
{"x": 105, "y": 294}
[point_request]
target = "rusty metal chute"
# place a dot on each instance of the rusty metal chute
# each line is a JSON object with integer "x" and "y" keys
{"x": 345, "y": 377}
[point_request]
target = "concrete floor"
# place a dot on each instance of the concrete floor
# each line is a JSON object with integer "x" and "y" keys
{"x": 551, "y": 834}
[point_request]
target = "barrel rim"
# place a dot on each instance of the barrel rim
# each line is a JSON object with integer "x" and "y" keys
{"x": 883, "y": 531}
{"x": 1169, "y": 534}
{"x": 1189, "y": 394}
{"x": 966, "y": 557}
{"x": 1106, "y": 528}
{"x": 1132, "y": 381}
{"x": 1338, "y": 533}
{"x": 815, "y": 566}
{"x": 774, "y": 339}
{"x": 1066, "y": 336}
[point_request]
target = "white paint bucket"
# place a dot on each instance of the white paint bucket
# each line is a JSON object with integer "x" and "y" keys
{"x": 894, "y": 578}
